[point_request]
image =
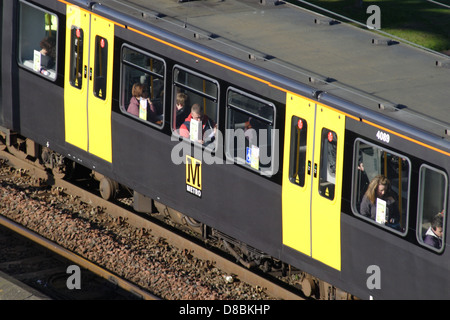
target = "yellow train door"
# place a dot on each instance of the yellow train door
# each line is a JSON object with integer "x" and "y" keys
{"x": 312, "y": 179}
{"x": 88, "y": 82}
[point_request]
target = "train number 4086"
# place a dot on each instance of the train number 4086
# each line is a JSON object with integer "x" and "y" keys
{"x": 383, "y": 136}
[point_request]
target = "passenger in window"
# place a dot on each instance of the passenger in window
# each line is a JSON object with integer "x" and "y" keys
{"x": 433, "y": 236}
{"x": 182, "y": 110}
{"x": 139, "y": 93}
{"x": 380, "y": 188}
{"x": 48, "y": 52}
{"x": 209, "y": 128}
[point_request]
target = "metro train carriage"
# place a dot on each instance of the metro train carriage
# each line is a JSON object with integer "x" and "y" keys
{"x": 315, "y": 143}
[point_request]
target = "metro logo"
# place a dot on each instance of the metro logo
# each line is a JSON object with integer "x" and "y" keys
{"x": 194, "y": 176}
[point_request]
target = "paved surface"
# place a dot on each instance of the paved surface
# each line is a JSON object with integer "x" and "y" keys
{"x": 12, "y": 289}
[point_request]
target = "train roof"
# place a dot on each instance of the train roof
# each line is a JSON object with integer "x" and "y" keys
{"x": 359, "y": 66}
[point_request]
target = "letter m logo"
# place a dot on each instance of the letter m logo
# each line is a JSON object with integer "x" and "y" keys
{"x": 194, "y": 172}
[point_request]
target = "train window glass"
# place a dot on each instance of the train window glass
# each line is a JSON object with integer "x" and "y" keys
{"x": 431, "y": 207}
{"x": 327, "y": 171}
{"x": 249, "y": 131}
{"x": 76, "y": 57}
{"x": 201, "y": 95}
{"x": 297, "y": 163}
{"x": 100, "y": 67}
{"x": 381, "y": 186}
{"x": 142, "y": 91}
{"x": 38, "y": 40}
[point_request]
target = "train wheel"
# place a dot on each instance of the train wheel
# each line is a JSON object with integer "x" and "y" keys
{"x": 108, "y": 188}
{"x": 308, "y": 287}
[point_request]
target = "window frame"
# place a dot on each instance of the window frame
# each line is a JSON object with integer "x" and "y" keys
{"x": 52, "y": 72}
{"x": 100, "y": 53}
{"x": 355, "y": 174}
{"x": 242, "y": 162}
{"x": 176, "y": 85}
{"x": 128, "y": 64}
{"x": 296, "y": 145}
{"x": 73, "y": 61}
{"x": 420, "y": 211}
{"x": 325, "y": 161}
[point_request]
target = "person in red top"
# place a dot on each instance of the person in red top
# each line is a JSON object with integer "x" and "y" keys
{"x": 207, "y": 125}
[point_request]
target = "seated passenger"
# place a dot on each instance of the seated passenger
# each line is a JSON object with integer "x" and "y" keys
{"x": 433, "y": 236}
{"x": 48, "y": 53}
{"x": 379, "y": 188}
{"x": 182, "y": 111}
{"x": 208, "y": 126}
{"x": 139, "y": 93}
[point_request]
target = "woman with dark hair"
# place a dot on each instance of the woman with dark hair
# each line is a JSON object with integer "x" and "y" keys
{"x": 48, "y": 52}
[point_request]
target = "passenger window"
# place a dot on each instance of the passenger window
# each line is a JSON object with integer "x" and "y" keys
{"x": 38, "y": 40}
{"x": 196, "y": 120}
{"x": 327, "y": 172}
{"x": 433, "y": 187}
{"x": 100, "y": 67}
{"x": 76, "y": 57}
{"x": 142, "y": 92}
{"x": 249, "y": 131}
{"x": 381, "y": 186}
{"x": 297, "y": 163}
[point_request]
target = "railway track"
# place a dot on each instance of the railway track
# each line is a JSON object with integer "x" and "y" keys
{"x": 26, "y": 258}
{"x": 227, "y": 279}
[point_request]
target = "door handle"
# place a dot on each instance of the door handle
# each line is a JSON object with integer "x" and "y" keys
{"x": 85, "y": 71}
{"x": 309, "y": 167}
{"x": 315, "y": 170}
{"x": 90, "y": 73}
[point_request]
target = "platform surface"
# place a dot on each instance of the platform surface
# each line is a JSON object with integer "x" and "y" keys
{"x": 12, "y": 289}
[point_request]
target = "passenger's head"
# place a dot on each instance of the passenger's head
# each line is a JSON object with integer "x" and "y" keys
{"x": 181, "y": 99}
{"x": 379, "y": 187}
{"x": 196, "y": 112}
{"x": 137, "y": 90}
{"x": 437, "y": 224}
{"x": 48, "y": 46}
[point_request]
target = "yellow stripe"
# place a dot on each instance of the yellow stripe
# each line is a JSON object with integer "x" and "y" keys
{"x": 406, "y": 137}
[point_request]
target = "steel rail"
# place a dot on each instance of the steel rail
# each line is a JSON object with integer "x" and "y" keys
{"x": 31, "y": 235}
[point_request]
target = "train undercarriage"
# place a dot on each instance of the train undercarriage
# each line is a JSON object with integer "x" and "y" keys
{"x": 249, "y": 257}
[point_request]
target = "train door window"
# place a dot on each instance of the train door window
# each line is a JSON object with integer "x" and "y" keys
{"x": 100, "y": 67}
{"x": 327, "y": 172}
{"x": 297, "y": 163}
{"x": 142, "y": 91}
{"x": 201, "y": 94}
{"x": 433, "y": 187}
{"x": 249, "y": 131}
{"x": 38, "y": 40}
{"x": 381, "y": 186}
{"x": 76, "y": 57}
